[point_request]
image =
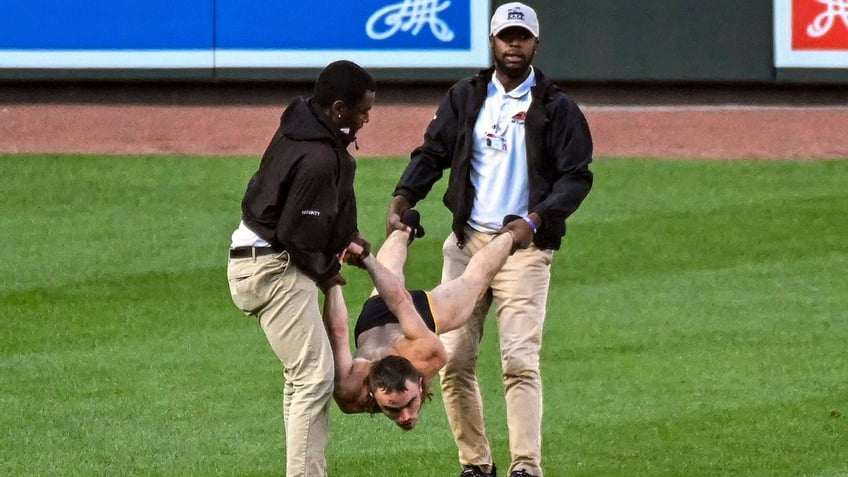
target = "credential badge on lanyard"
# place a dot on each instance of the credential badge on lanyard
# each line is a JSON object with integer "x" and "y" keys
{"x": 495, "y": 142}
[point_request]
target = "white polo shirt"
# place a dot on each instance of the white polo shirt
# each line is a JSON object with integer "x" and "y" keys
{"x": 499, "y": 163}
{"x": 244, "y": 237}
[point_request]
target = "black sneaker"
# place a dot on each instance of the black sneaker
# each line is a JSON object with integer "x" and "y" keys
{"x": 520, "y": 473}
{"x": 412, "y": 219}
{"x": 475, "y": 471}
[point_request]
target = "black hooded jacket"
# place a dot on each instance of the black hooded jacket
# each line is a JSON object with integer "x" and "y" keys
{"x": 559, "y": 151}
{"x": 301, "y": 198}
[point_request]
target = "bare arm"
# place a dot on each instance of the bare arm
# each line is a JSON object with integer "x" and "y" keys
{"x": 335, "y": 320}
{"x": 398, "y": 300}
{"x": 420, "y": 345}
{"x": 348, "y": 386}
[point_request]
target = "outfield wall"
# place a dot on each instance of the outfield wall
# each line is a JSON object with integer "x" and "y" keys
{"x": 666, "y": 41}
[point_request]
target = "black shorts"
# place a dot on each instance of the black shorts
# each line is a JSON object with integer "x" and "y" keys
{"x": 375, "y": 313}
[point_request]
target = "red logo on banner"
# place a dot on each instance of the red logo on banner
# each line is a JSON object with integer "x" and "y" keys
{"x": 820, "y": 24}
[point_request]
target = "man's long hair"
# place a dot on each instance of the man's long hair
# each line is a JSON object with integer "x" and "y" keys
{"x": 391, "y": 375}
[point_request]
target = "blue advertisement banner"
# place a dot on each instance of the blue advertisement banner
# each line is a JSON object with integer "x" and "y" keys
{"x": 333, "y": 25}
{"x": 106, "y": 25}
{"x": 242, "y": 33}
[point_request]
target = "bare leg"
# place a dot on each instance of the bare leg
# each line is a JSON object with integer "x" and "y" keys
{"x": 393, "y": 254}
{"x": 391, "y": 288}
{"x": 454, "y": 301}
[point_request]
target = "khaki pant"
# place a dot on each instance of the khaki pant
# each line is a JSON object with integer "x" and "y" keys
{"x": 285, "y": 301}
{"x": 519, "y": 293}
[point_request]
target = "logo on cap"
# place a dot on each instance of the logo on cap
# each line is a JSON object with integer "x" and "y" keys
{"x": 515, "y": 14}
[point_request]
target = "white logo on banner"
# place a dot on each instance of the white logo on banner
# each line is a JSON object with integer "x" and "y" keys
{"x": 824, "y": 21}
{"x": 410, "y": 15}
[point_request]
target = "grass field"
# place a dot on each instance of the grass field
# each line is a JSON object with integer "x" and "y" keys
{"x": 697, "y": 326}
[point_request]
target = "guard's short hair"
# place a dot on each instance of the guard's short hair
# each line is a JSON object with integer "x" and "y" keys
{"x": 342, "y": 80}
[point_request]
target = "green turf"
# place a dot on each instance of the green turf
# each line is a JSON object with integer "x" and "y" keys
{"x": 697, "y": 325}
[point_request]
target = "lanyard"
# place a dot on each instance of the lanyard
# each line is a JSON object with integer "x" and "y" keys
{"x": 497, "y": 115}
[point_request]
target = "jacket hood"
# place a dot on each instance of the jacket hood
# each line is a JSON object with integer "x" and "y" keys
{"x": 303, "y": 120}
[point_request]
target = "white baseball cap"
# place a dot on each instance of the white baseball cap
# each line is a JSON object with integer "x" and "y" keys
{"x": 515, "y": 14}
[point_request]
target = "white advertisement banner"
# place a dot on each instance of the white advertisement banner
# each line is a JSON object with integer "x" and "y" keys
{"x": 811, "y": 33}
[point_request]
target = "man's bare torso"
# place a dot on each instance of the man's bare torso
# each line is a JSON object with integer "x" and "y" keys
{"x": 380, "y": 342}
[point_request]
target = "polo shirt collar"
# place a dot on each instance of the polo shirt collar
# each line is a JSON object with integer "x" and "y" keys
{"x": 519, "y": 90}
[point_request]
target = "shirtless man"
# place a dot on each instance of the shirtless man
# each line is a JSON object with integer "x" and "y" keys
{"x": 398, "y": 348}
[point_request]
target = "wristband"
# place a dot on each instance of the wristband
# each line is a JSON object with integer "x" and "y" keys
{"x": 531, "y": 223}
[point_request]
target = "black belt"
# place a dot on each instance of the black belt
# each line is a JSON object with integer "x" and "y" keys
{"x": 251, "y": 252}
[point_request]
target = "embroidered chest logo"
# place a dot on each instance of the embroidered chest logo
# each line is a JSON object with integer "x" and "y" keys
{"x": 519, "y": 118}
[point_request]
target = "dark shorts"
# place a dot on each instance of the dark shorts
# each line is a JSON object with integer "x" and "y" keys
{"x": 375, "y": 313}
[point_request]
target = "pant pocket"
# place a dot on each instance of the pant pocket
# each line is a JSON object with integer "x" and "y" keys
{"x": 252, "y": 282}
{"x": 245, "y": 295}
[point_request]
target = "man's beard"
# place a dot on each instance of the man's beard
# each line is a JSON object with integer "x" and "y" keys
{"x": 515, "y": 72}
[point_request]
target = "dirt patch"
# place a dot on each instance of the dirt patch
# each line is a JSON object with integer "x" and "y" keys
{"x": 240, "y": 121}
{"x": 727, "y": 132}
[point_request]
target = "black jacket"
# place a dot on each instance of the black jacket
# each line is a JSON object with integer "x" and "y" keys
{"x": 559, "y": 150}
{"x": 301, "y": 197}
